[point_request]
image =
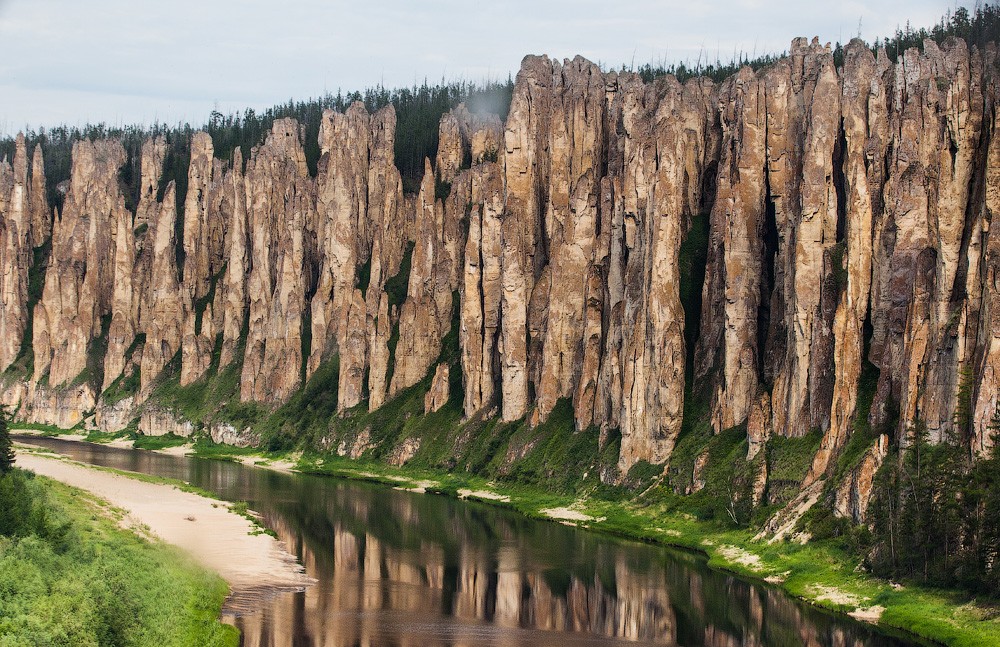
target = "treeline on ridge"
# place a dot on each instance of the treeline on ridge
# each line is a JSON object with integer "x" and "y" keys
{"x": 418, "y": 111}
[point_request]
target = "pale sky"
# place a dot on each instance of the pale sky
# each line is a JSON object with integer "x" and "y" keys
{"x": 137, "y": 61}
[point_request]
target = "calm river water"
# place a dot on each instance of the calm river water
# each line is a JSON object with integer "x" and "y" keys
{"x": 402, "y": 569}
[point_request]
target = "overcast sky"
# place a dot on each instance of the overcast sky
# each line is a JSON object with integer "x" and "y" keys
{"x": 128, "y": 61}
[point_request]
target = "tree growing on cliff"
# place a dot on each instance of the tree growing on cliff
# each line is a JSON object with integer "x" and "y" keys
{"x": 6, "y": 446}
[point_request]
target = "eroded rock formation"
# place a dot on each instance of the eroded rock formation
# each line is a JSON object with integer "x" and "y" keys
{"x": 78, "y": 293}
{"x": 855, "y": 492}
{"x": 15, "y": 252}
{"x": 163, "y": 311}
{"x": 280, "y": 203}
{"x": 849, "y": 243}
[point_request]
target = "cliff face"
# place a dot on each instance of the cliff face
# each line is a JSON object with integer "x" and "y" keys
{"x": 16, "y": 233}
{"x": 281, "y": 204}
{"x": 848, "y": 214}
{"x": 79, "y": 284}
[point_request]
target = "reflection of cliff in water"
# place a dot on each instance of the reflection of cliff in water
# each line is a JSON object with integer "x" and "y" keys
{"x": 402, "y": 569}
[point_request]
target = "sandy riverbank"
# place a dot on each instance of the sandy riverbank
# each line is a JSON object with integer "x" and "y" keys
{"x": 254, "y": 565}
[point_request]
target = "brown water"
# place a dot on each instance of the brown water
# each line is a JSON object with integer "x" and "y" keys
{"x": 402, "y": 569}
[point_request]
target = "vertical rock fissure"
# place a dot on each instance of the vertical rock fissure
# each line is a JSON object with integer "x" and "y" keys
{"x": 840, "y": 183}
{"x": 767, "y": 283}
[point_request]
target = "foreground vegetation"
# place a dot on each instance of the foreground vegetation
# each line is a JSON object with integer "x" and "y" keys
{"x": 69, "y": 575}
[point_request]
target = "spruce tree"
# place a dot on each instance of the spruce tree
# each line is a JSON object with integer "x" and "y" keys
{"x": 6, "y": 445}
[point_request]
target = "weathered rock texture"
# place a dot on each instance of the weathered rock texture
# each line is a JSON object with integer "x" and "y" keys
{"x": 481, "y": 291}
{"x": 280, "y": 203}
{"x": 437, "y": 395}
{"x": 855, "y": 492}
{"x": 15, "y": 252}
{"x": 849, "y": 215}
{"x": 359, "y": 246}
{"x": 79, "y": 284}
{"x": 425, "y": 316}
{"x": 203, "y": 243}
{"x": 41, "y": 213}
{"x": 163, "y": 311}
{"x": 237, "y": 250}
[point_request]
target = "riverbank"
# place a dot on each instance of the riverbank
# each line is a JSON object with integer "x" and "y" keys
{"x": 71, "y": 575}
{"x": 821, "y": 573}
{"x": 251, "y": 562}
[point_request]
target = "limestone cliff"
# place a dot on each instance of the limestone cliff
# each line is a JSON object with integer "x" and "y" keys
{"x": 163, "y": 312}
{"x": 203, "y": 241}
{"x": 280, "y": 202}
{"x": 543, "y": 262}
{"x": 15, "y": 252}
{"x": 79, "y": 284}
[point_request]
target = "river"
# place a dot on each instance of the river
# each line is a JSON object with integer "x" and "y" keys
{"x": 403, "y": 569}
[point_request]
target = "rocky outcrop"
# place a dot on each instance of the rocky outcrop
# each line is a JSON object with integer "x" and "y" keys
{"x": 63, "y": 407}
{"x": 227, "y": 434}
{"x": 79, "y": 282}
{"x": 758, "y": 426}
{"x": 480, "y": 293}
{"x": 163, "y": 309}
{"x": 525, "y": 170}
{"x": 280, "y": 202}
{"x": 466, "y": 140}
{"x": 666, "y": 149}
{"x": 803, "y": 116}
{"x": 134, "y": 306}
{"x": 342, "y": 209}
{"x": 698, "y": 480}
{"x": 234, "y": 281}
{"x": 864, "y": 138}
{"x": 112, "y": 417}
{"x": 854, "y": 494}
{"x": 581, "y": 252}
{"x": 124, "y": 305}
{"x": 380, "y": 331}
{"x": 425, "y": 316}
{"x": 575, "y": 135}
{"x": 353, "y": 351}
{"x": 437, "y": 395}
{"x": 157, "y": 421}
{"x": 925, "y": 284}
{"x": 202, "y": 256}
{"x": 860, "y": 193}
{"x": 41, "y": 213}
{"x": 729, "y": 340}
{"x": 152, "y": 158}
{"x": 450, "y": 150}
{"x": 986, "y": 412}
{"x": 390, "y": 225}
{"x": 15, "y": 252}
{"x": 359, "y": 247}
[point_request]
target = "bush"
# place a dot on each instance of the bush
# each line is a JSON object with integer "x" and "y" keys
{"x": 24, "y": 510}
